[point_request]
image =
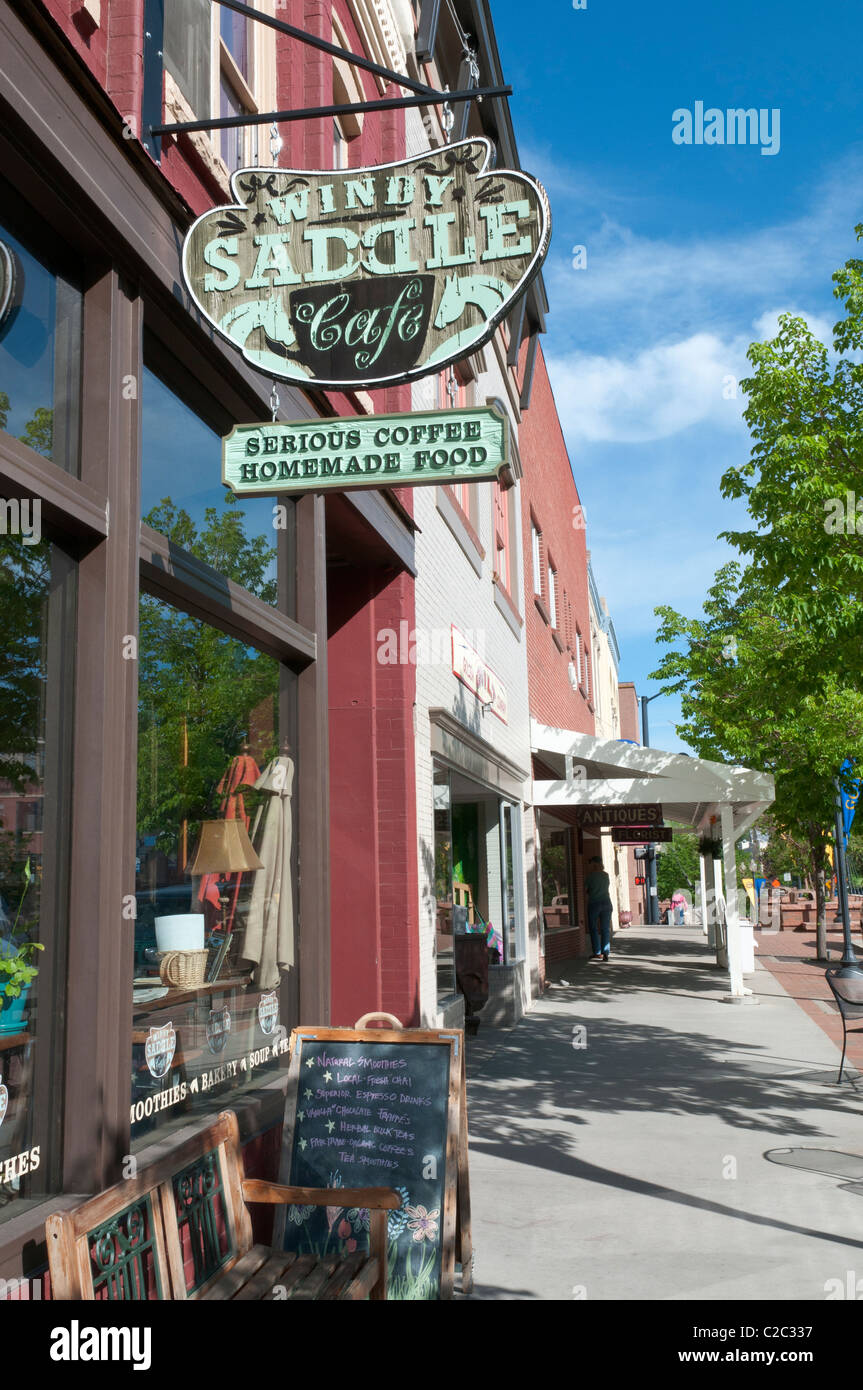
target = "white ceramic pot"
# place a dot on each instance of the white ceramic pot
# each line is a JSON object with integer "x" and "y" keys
{"x": 182, "y": 931}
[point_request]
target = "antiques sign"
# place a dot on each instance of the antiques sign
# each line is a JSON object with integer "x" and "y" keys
{"x": 356, "y": 278}
{"x": 618, "y": 815}
{"x": 462, "y": 446}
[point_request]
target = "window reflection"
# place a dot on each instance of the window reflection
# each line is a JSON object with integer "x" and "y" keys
{"x": 37, "y": 613}
{"x": 214, "y": 926}
{"x": 443, "y": 864}
{"x": 181, "y": 480}
{"x": 40, "y": 340}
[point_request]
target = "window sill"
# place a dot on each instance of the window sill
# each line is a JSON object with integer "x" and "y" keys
{"x": 505, "y": 602}
{"x": 542, "y": 610}
{"x": 556, "y": 640}
{"x": 460, "y": 528}
{"x": 465, "y": 521}
{"x": 178, "y": 109}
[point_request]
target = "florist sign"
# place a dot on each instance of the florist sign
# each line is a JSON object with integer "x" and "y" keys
{"x": 365, "y": 277}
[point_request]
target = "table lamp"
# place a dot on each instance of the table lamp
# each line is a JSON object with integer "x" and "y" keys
{"x": 224, "y": 849}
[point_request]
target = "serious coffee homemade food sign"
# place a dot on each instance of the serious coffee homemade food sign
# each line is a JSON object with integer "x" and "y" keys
{"x": 366, "y": 451}
{"x": 360, "y": 278}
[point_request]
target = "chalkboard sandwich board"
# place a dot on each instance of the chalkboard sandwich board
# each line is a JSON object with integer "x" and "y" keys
{"x": 372, "y": 1107}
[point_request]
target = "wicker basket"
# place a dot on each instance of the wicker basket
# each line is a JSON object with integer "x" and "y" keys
{"x": 183, "y": 969}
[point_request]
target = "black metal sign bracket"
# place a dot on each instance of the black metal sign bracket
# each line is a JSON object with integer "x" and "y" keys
{"x": 423, "y": 95}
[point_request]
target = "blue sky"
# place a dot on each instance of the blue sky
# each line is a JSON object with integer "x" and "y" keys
{"x": 692, "y": 252}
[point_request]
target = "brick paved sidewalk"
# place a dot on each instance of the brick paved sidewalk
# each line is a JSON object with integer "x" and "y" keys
{"x": 790, "y": 958}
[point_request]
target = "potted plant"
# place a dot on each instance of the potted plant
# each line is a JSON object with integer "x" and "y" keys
{"x": 16, "y": 970}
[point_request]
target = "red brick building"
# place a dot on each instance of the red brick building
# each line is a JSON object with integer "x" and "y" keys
{"x": 557, "y": 624}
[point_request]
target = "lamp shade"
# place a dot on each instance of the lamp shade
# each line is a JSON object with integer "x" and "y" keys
{"x": 224, "y": 848}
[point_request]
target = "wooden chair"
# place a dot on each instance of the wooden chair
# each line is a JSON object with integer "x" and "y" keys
{"x": 181, "y": 1230}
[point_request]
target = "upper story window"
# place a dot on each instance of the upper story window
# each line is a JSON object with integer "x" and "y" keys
{"x": 237, "y": 45}
{"x": 456, "y": 391}
{"x": 218, "y": 62}
{"x": 536, "y": 544}
{"x": 597, "y": 697}
{"x": 502, "y": 549}
{"x": 234, "y": 34}
{"x": 552, "y": 596}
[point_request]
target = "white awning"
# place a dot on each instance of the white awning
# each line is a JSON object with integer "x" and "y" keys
{"x": 612, "y": 772}
{"x": 718, "y": 801}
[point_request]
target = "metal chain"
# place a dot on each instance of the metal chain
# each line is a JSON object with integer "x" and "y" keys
{"x": 274, "y": 401}
{"x": 447, "y": 118}
{"x": 276, "y": 143}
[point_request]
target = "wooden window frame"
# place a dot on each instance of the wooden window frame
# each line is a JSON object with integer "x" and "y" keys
{"x": 97, "y": 1025}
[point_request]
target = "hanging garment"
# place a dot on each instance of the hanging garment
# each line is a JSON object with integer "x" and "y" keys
{"x": 269, "y": 939}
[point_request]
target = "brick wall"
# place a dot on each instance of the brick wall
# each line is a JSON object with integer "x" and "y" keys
{"x": 630, "y": 714}
{"x": 549, "y": 499}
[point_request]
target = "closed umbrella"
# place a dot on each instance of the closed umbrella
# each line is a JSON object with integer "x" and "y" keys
{"x": 269, "y": 940}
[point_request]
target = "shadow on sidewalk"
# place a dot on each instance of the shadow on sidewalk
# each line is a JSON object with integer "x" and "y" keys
{"x": 538, "y": 1153}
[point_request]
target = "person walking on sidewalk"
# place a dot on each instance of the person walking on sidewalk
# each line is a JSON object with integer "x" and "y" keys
{"x": 599, "y": 909}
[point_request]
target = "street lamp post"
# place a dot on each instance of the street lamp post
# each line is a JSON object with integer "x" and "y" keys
{"x": 652, "y": 896}
{"x": 849, "y": 964}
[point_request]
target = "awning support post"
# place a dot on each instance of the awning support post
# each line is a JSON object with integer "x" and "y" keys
{"x": 702, "y": 874}
{"x": 732, "y": 914}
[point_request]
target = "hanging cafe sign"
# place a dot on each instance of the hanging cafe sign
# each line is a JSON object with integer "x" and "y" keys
{"x": 329, "y": 455}
{"x": 362, "y": 278}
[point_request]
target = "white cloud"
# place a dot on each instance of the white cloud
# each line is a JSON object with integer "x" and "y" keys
{"x": 655, "y": 393}
{"x": 767, "y": 324}
{"x": 663, "y": 389}
{"x": 653, "y": 286}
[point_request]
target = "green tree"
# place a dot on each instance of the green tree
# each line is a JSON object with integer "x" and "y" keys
{"x": 678, "y": 866}
{"x": 805, "y": 414}
{"x": 738, "y": 673}
{"x": 39, "y": 432}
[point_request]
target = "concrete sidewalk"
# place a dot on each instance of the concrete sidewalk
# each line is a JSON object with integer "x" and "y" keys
{"x": 636, "y": 1168}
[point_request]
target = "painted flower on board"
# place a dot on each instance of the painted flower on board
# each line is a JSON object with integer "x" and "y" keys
{"x": 359, "y": 1218}
{"x": 299, "y": 1214}
{"x": 422, "y": 1223}
{"x": 397, "y": 1220}
{"x": 333, "y": 1180}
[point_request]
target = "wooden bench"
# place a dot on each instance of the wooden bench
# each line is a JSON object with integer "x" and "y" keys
{"x": 181, "y": 1229}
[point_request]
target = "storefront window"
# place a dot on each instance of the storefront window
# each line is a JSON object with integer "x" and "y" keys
{"x": 215, "y": 922}
{"x": 37, "y": 584}
{"x": 556, "y": 869}
{"x": 443, "y": 872}
{"x": 181, "y": 472}
{"x": 40, "y": 352}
